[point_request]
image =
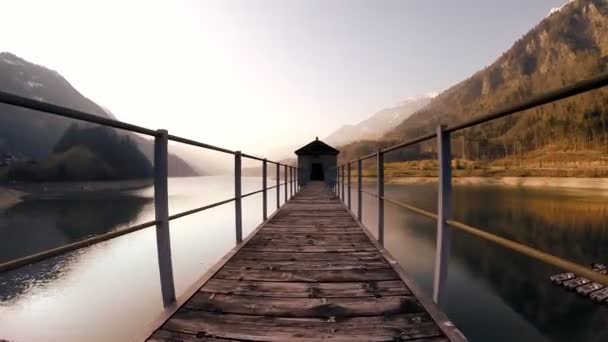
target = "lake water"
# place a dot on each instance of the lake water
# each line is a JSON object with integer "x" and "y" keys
{"x": 110, "y": 291}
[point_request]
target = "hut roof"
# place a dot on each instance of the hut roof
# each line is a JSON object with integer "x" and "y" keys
{"x": 316, "y": 147}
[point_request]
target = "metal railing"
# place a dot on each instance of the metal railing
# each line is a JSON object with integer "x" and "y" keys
{"x": 444, "y": 205}
{"x": 161, "y": 205}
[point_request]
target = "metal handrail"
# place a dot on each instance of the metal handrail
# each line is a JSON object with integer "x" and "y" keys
{"x": 53, "y": 109}
{"x": 161, "y": 139}
{"x": 49, "y": 108}
{"x": 253, "y": 193}
{"x": 442, "y": 217}
{"x": 30, "y": 259}
{"x": 252, "y": 157}
{"x": 370, "y": 193}
{"x": 193, "y": 211}
{"x": 532, "y": 252}
{"x": 512, "y": 245}
{"x": 411, "y": 207}
{"x": 199, "y": 144}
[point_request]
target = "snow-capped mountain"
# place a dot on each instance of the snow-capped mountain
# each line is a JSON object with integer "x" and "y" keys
{"x": 379, "y": 123}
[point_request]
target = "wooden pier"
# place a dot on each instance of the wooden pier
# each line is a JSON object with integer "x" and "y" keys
{"x": 311, "y": 272}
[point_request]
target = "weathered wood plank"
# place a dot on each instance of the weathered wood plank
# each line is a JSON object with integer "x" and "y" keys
{"x": 162, "y": 335}
{"x": 333, "y": 246}
{"x": 308, "y": 249}
{"x": 289, "y": 256}
{"x": 304, "y": 307}
{"x": 307, "y": 290}
{"x": 311, "y": 230}
{"x": 303, "y": 235}
{"x": 310, "y": 265}
{"x": 260, "y": 328}
{"x": 309, "y": 276}
{"x": 316, "y": 241}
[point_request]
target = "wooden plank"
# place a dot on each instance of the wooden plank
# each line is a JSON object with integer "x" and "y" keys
{"x": 261, "y": 328}
{"x": 253, "y": 255}
{"x": 322, "y": 236}
{"x": 327, "y": 239}
{"x": 309, "y": 243}
{"x": 310, "y": 265}
{"x": 311, "y": 230}
{"x": 304, "y": 307}
{"x": 307, "y": 249}
{"x": 309, "y": 276}
{"x": 163, "y": 335}
{"x": 307, "y": 290}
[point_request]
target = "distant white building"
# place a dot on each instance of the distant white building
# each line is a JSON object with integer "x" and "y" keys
{"x": 317, "y": 161}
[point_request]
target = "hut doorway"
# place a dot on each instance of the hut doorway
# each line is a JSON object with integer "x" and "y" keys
{"x": 316, "y": 173}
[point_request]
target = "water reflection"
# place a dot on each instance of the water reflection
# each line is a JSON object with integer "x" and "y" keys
{"x": 115, "y": 283}
{"x": 496, "y": 294}
{"x": 34, "y": 226}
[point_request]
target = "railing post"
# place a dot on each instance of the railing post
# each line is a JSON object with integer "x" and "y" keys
{"x": 380, "y": 159}
{"x": 238, "y": 214}
{"x": 444, "y": 192}
{"x": 285, "y": 181}
{"x": 337, "y": 186}
{"x": 359, "y": 192}
{"x": 278, "y": 186}
{"x": 290, "y": 182}
{"x": 161, "y": 211}
{"x": 342, "y": 182}
{"x": 264, "y": 192}
{"x": 348, "y": 183}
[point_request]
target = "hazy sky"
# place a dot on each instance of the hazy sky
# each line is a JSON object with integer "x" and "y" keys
{"x": 255, "y": 75}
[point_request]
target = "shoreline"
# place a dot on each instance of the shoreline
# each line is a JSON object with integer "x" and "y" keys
{"x": 12, "y": 194}
{"x": 549, "y": 182}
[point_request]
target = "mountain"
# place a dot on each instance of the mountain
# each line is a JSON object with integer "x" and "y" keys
{"x": 378, "y": 124}
{"x": 569, "y": 45}
{"x": 27, "y": 134}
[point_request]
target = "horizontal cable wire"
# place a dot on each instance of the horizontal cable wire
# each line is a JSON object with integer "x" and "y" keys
{"x": 209, "y": 206}
{"x": 252, "y": 193}
{"x": 534, "y": 253}
{"x": 514, "y": 246}
{"x": 369, "y": 193}
{"x": 49, "y": 108}
{"x": 198, "y": 144}
{"x": 410, "y": 207}
{"x": 13, "y": 264}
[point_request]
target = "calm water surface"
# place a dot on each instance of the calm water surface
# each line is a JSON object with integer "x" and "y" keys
{"x": 495, "y": 294}
{"x": 111, "y": 291}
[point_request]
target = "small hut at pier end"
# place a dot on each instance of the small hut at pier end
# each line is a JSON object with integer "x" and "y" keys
{"x": 317, "y": 161}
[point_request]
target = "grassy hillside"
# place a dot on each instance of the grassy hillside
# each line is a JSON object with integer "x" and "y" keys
{"x": 568, "y": 46}
{"x": 30, "y": 135}
{"x": 84, "y": 154}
